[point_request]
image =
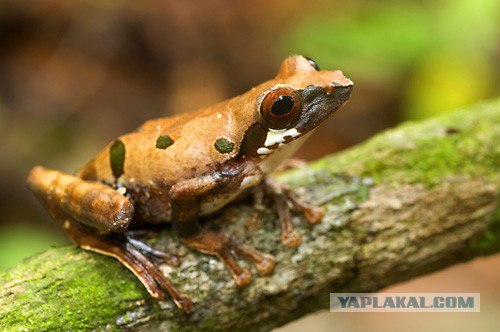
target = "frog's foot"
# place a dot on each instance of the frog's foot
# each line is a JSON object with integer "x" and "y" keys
{"x": 218, "y": 244}
{"x": 119, "y": 247}
{"x": 147, "y": 250}
{"x": 284, "y": 197}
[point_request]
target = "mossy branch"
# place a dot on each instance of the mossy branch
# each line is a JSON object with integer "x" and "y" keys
{"x": 409, "y": 201}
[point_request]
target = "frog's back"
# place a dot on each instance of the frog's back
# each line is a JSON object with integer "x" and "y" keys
{"x": 164, "y": 151}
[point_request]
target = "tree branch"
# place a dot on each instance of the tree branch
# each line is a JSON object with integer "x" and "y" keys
{"x": 409, "y": 201}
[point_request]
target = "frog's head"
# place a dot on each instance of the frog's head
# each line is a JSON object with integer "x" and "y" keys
{"x": 292, "y": 105}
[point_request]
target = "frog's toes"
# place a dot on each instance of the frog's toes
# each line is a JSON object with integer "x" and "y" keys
{"x": 284, "y": 198}
{"x": 218, "y": 244}
{"x": 266, "y": 265}
{"x": 313, "y": 214}
{"x": 171, "y": 259}
{"x": 127, "y": 252}
{"x": 263, "y": 262}
{"x": 291, "y": 238}
{"x": 242, "y": 279}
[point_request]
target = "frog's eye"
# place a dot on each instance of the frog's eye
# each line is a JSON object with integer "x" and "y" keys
{"x": 312, "y": 63}
{"x": 281, "y": 108}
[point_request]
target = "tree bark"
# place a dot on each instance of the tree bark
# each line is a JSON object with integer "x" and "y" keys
{"x": 409, "y": 201}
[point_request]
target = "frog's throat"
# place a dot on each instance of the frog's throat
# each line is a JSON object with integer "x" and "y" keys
{"x": 269, "y": 162}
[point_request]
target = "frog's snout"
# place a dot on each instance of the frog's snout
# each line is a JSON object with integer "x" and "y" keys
{"x": 318, "y": 103}
{"x": 340, "y": 88}
{"x": 342, "y": 93}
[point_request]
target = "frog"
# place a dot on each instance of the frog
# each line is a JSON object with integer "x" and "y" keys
{"x": 184, "y": 168}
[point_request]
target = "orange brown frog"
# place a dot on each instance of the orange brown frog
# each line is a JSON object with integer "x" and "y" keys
{"x": 179, "y": 168}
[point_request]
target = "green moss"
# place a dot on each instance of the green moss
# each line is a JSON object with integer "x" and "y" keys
{"x": 85, "y": 297}
{"x": 489, "y": 242}
{"x": 461, "y": 143}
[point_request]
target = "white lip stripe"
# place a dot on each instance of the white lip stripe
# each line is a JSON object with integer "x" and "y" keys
{"x": 278, "y": 136}
{"x": 263, "y": 151}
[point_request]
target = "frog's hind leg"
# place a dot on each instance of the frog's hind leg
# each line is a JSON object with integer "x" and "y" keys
{"x": 117, "y": 246}
{"x": 95, "y": 216}
{"x": 89, "y": 202}
{"x": 143, "y": 247}
{"x": 284, "y": 197}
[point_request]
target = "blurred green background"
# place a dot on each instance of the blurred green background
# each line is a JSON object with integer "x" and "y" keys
{"x": 75, "y": 74}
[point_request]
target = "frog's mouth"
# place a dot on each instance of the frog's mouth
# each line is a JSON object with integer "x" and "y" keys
{"x": 319, "y": 103}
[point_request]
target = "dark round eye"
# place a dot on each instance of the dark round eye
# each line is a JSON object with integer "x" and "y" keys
{"x": 312, "y": 63}
{"x": 282, "y": 105}
{"x": 280, "y": 109}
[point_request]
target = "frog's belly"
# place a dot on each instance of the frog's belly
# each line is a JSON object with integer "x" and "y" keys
{"x": 155, "y": 211}
{"x": 216, "y": 202}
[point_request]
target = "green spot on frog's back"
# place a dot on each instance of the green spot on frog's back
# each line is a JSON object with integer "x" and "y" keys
{"x": 223, "y": 145}
{"x": 117, "y": 158}
{"x": 164, "y": 142}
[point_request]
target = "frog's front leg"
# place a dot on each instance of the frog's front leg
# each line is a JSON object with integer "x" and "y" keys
{"x": 95, "y": 217}
{"x": 283, "y": 197}
{"x": 185, "y": 198}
